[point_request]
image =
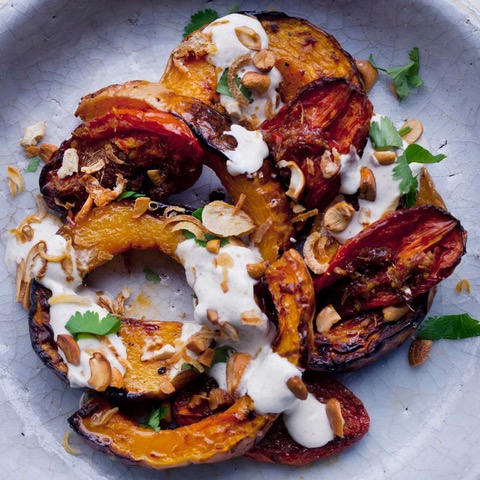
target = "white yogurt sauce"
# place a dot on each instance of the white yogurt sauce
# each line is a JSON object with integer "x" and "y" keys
{"x": 388, "y": 188}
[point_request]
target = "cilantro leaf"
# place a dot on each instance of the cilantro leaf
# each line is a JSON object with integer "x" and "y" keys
{"x": 384, "y": 135}
{"x": 198, "y": 213}
{"x": 417, "y": 154}
{"x": 451, "y": 327}
{"x": 403, "y": 172}
{"x": 129, "y": 194}
{"x": 208, "y": 236}
{"x": 199, "y": 19}
{"x": 411, "y": 195}
{"x": 222, "y": 354}
{"x": 89, "y": 322}
{"x": 187, "y": 366}
{"x": 33, "y": 165}
{"x": 223, "y": 88}
{"x": 154, "y": 418}
{"x": 405, "y": 77}
{"x": 151, "y": 276}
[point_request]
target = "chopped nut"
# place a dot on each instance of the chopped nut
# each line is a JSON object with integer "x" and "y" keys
{"x": 258, "y": 82}
{"x": 197, "y": 400}
{"x": 330, "y": 164}
{"x": 165, "y": 385}
{"x": 337, "y": 217}
{"x": 31, "y": 151}
{"x": 101, "y": 372}
{"x": 297, "y": 387}
{"x": 368, "y": 185}
{"x": 213, "y": 246}
{"x": 226, "y": 220}
{"x": 70, "y": 348}
{"x": 157, "y": 177}
{"x": 33, "y": 134}
{"x": 151, "y": 353}
{"x": 117, "y": 378}
{"x": 218, "y": 398}
{"x": 249, "y": 317}
{"x": 335, "y": 417}
{"x": 212, "y": 316}
{"x": 230, "y": 331}
{"x": 368, "y": 72}
{"x": 85, "y": 210}
{"x": 256, "y": 270}
{"x": 236, "y": 366}
{"x": 103, "y": 416}
{"x": 326, "y": 318}
{"x": 297, "y": 179}
{"x": 197, "y": 345}
{"x": 419, "y": 351}
{"x": 140, "y": 207}
{"x": 206, "y": 357}
{"x": 248, "y": 37}
{"x": 16, "y": 183}
{"x": 415, "y": 133}
{"x": 47, "y": 151}
{"x": 393, "y": 313}
{"x": 264, "y": 60}
{"x": 69, "y": 163}
{"x": 385, "y": 158}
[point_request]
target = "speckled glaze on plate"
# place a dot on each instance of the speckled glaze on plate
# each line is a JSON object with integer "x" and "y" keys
{"x": 425, "y": 422}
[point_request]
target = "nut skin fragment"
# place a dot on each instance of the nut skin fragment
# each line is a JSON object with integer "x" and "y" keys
{"x": 415, "y": 133}
{"x": 418, "y": 351}
{"x": 248, "y": 37}
{"x": 70, "y": 348}
{"x": 256, "y": 81}
{"x": 386, "y": 157}
{"x": 264, "y": 60}
{"x": 236, "y": 366}
{"x": 393, "y": 313}
{"x": 369, "y": 73}
{"x": 338, "y": 217}
{"x": 297, "y": 387}
{"x": 101, "y": 369}
{"x": 335, "y": 417}
{"x": 368, "y": 185}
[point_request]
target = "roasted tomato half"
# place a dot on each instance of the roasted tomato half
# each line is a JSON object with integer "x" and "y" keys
{"x": 151, "y": 152}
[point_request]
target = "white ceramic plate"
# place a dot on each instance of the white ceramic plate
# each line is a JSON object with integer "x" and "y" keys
{"x": 425, "y": 422}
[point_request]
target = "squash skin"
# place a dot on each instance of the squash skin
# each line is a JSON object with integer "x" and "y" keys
{"x": 214, "y": 439}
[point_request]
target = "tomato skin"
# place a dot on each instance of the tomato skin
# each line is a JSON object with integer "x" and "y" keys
{"x": 167, "y": 126}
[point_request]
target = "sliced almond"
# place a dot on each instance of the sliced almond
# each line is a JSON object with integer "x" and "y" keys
{"x": 165, "y": 385}
{"x": 250, "y": 317}
{"x": 297, "y": 179}
{"x": 264, "y": 60}
{"x": 236, "y": 366}
{"x": 326, "y": 318}
{"x": 419, "y": 351}
{"x": 416, "y": 130}
{"x": 70, "y": 348}
{"x": 101, "y": 372}
{"x": 368, "y": 185}
{"x": 385, "y": 157}
{"x": 393, "y": 313}
{"x": 258, "y": 82}
{"x": 338, "y": 216}
{"x": 335, "y": 417}
{"x": 248, "y": 37}
{"x": 225, "y": 220}
{"x": 218, "y": 398}
{"x": 297, "y": 387}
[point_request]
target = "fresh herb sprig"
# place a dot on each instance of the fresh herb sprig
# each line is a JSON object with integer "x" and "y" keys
{"x": 129, "y": 194}
{"x": 155, "y": 417}
{"x": 223, "y": 88}
{"x": 222, "y": 354}
{"x": 405, "y": 77}
{"x": 33, "y": 165}
{"x": 450, "y": 327}
{"x": 198, "y": 19}
{"x": 90, "y": 323}
{"x": 151, "y": 276}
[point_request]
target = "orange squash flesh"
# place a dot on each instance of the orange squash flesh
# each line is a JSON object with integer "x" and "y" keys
{"x": 216, "y": 438}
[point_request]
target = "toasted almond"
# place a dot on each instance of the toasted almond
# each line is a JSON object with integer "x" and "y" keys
{"x": 369, "y": 73}
{"x": 256, "y": 270}
{"x": 236, "y": 366}
{"x": 33, "y": 134}
{"x": 385, "y": 157}
{"x": 212, "y": 316}
{"x": 326, "y": 318}
{"x": 218, "y": 398}
{"x": 297, "y": 387}
{"x": 338, "y": 216}
{"x": 103, "y": 416}
{"x": 213, "y": 246}
{"x": 264, "y": 60}
{"x": 101, "y": 372}
{"x": 206, "y": 357}
{"x": 47, "y": 151}
{"x": 258, "y": 82}
{"x": 297, "y": 179}
{"x": 225, "y": 220}
{"x": 250, "y": 317}
{"x": 419, "y": 351}
{"x": 197, "y": 400}
{"x": 368, "y": 185}
{"x": 330, "y": 164}
{"x": 393, "y": 313}
{"x": 335, "y": 417}
{"x": 140, "y": 207}
{"x": 157, "y": 177}
{"x": 416, "y": 130}
{"x": 70, "y": 348}
{"x": 248, "y": 37}
{"x": 16, "y": 183}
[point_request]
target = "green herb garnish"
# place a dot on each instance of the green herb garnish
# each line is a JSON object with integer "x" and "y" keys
{"x": 208, "y": 236}
{"x": 223, "y": 88}
{"x": 403, "y": 131}
{"x": 89, "y": 322}
{"x": 33, "y": 165}
{"x": 222, "y": 354}
{"x": 198, "y": 214}
{"x": 151, "y": 276}
{"x": 154, "y": 418}
{"x": 199, "y": 19}
{"x": 451, "y": 327}
{"x": 406, "y": 77}
{"x": 129, "y": 194}
{"x": 187, "y": 366}
{"x": 384, "y": 135}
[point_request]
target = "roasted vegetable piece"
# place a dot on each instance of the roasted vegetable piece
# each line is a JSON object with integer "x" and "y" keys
{"x": 380, "y": 284}
{"x": 328, "y": 114}
{"x": 303, "y": 53}
{"x": 153, "y": 152}
{"x": 215, "y": 438}
{"x": 265, "y": 200}
{"x": 279, "y": 447}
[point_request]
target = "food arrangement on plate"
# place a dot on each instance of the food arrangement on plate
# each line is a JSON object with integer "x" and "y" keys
{"x": 326, "y": 258}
